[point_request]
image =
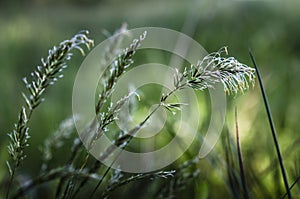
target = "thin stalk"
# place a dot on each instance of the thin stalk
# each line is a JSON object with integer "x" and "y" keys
{"x": 50, "y": 176}
{"x": 10, "y": 182}
{"x": 273, "y": 130}
{"x": 129, "y": 137}
{"x": 230, "y": 167}
{"x": 72, "y": 180}
{"x": 76, "y": 147}
{"x": 294, "y": 183}
{"x": 125, "y": 138}
{"x": 240, "y": 158}
{"x": 131, "y": 134}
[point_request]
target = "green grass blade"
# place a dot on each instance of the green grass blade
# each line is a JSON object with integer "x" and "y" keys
{"x": 294, "y": 183}
{"x": 272, "y": 126}
{"x": 240, "y": 159}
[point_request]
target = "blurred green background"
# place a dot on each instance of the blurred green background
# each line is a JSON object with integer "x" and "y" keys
{"x": 270, "y": 28}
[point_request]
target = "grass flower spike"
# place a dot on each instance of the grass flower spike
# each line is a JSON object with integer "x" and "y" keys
{"x": 46, "y": 74}
{"x": 214, "y": 68}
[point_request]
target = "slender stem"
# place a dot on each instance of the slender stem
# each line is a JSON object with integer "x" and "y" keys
{"x": 294, "y": 183}
{"x": 239, "y": 151}
{"x": 76, "y": 147}
{"x": 226, "y": 143}
{"x": 10, "y": 182}
{"x": 273, "y": 130}
{"x": 131, "y": 134}
{"x": 101, "y": 180}
{"x": 52, "y": 175}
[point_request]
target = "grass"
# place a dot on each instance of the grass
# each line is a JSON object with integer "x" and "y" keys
{"x": 278, "y": 63}
{"x": 72, "y": 177}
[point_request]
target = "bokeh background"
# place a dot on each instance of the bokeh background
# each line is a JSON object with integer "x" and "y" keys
{"x": 270, "y": 28}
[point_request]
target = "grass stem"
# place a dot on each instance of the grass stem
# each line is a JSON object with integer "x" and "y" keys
{"x": 294, "y": 183}
{"x": 272, "y": 126}
{"x": 241, "y": 164}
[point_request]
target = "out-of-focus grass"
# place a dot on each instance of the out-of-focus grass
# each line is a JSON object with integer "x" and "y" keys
{"x": 270, "y": 28}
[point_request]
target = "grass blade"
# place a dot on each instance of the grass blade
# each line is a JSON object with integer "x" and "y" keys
{"x": 294, "y": 183}
{"x": 241, "y": 164}
{"x": 273, "y": 130}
